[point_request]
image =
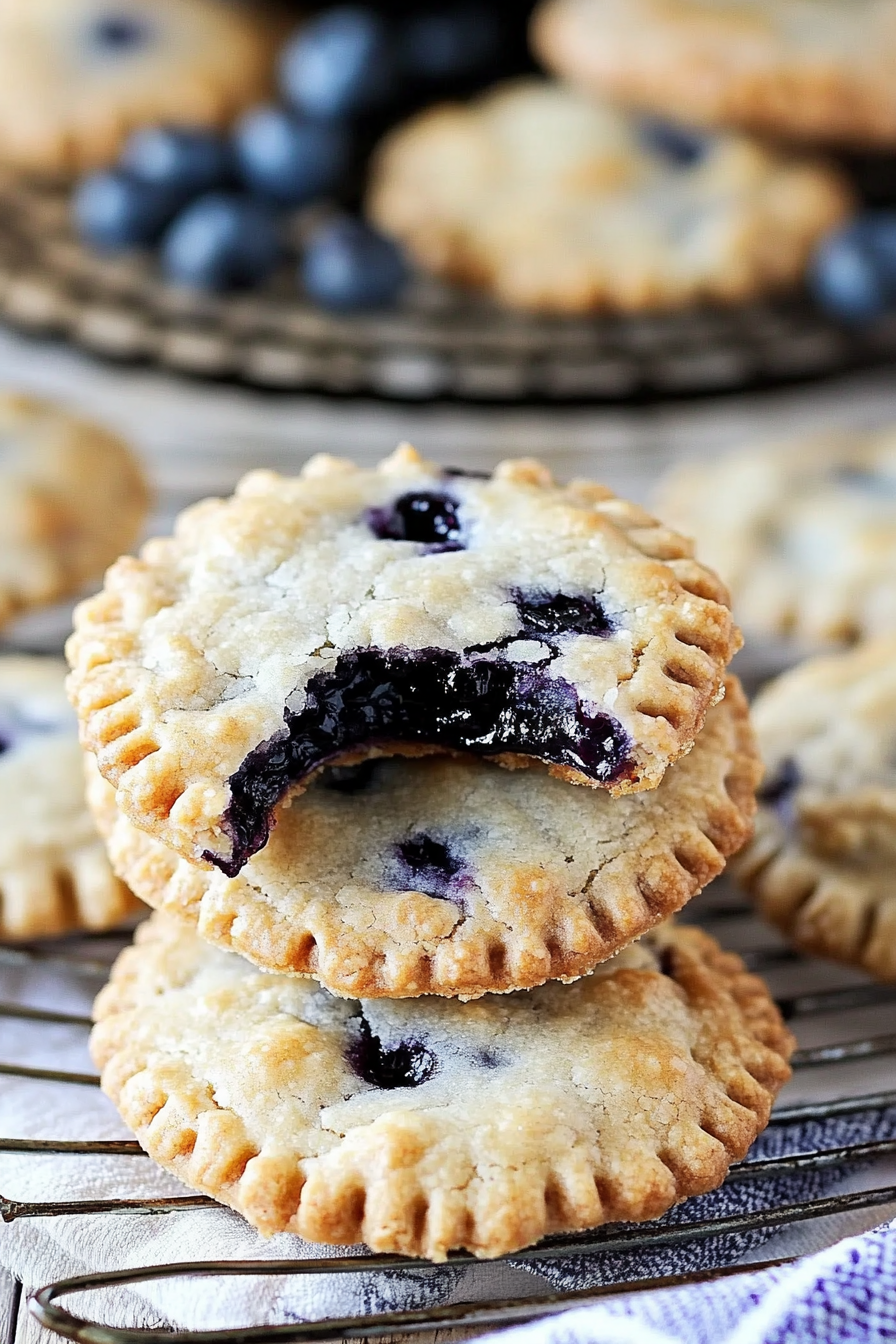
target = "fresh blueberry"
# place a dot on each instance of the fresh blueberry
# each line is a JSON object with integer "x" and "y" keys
{"x": 348, "y": 265}
{"x": 407, "y": 1064}
{"x": 450, "y": 43}
{"x": 222, "y": 241}
{"x": 288, "y": 159}
{"x": 113, "y": 210}
{"x": 543, "y": 613}
{"x": 339, "y": 63}
{"x": 183, "y": 161}
{"x": 853, "y": 271}
{"x": 114, "y": 34}
{"x": 676, "y": 144}
{"x": 423, "y": 516}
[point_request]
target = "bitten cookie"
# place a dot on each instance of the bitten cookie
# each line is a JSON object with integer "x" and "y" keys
{"x": 76, "y": 76}
{"x": 804, "y": 533}
{"x": 348, "y": 612}
{"x": 72, "y": 498}
{"x": 822, "y": 865}
{"x": 428, "y": 1125}
{"x": 553, "y": 202}
{"x": 822, "y": 70}
{"x": 395, "y": 878}
{"x": 54, "y": 874}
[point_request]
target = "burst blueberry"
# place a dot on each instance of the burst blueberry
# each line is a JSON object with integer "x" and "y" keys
{"x": 348, "y": 265}
{"x": 543, "y": 613}
{"x": 114, "y": 211}
{"x": 339, "y": 63}
{"x": 426, "y": 864}
{"x": 222, "y": 241}
{"x": 290, "y": 160}
{"x": 407, "y": 1064}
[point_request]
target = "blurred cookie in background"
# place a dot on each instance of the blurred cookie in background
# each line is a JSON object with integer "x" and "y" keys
{"x": 822, "y": 864}
{"x": 554, "y": 202}
{"x": 77, "y": 75}
{"x": 54, "y": 874}
{"x": 803, "y": 533}
{"x": 72, "y": 498}
{"x": 812, "y": 70}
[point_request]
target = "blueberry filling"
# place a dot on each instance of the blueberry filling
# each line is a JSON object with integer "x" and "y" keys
{"x": 425, "y": 864}
{"x": 676, "y": 144}
{"x": 476, "y": 703}
{"x": 350, "y": 779}
{"x": 469, "y": 472}
{"x": 424, "y": 516}
{"x": 407, "y": 1064}
{"x": 779, "y": 786}
{"x": 118, "y": 32}
{"x": 666, "y": 960}
{"x": 559, "y": 614}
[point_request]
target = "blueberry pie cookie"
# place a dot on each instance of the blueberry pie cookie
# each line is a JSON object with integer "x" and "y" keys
{"x": 804, "y": 533}
{"x": 72, "y": 498}
{"x": 446, "y": 876}
{"x": 76, "y": 76}
{"x": 822, "y": 865}
{"x": 816, "y": 70}
{"x": 54, "y": 874}
{"x": 421, "y": 1126}
{"x": 351, "y": 612}
{"x": 553, "y": 202}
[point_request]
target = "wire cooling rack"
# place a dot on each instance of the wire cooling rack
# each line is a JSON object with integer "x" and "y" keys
{"x": 439, "y": 344}
{"x": 827, "y": 1060}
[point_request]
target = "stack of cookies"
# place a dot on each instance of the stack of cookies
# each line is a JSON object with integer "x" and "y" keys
{"x": 414, "y": 765}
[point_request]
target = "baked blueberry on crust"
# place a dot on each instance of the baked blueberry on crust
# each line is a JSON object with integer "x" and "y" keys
{"x": 427, "y": 1126}
{"x": 445, "y": 875}
{"x": 348, "y": 613}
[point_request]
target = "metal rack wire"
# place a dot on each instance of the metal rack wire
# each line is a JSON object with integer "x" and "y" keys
{"x": 809, "y": 1007}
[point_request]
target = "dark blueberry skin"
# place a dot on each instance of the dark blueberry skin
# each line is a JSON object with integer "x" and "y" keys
{"x": 408, "y": 1064}
{"x": 348, "y": 266}
{"x": 678, "y": 145}
{"x": 853, "y": 271}
{"x": 114, "y": 211}
{"x": 179, "y": 160}
{"x": 220, "y": 242}
{"x": 448, "y": 43}
{"x": 339, "y": 63}
{"x": 465, "y": 702}
{"x": 287, "y": 159}
{"x": 116, "y": 34}
{"x": 424, "y": 516}
{"x": 425, "y": 864}
{"x": 560, "y": 614}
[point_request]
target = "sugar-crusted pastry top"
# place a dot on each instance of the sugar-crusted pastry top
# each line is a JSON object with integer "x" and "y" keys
{"x": 430, "y": 1125}
{"x": 72, "y": 497}
{"x": 54, "y": 874}
{"x": 555, "y": 201}
{"x": 446, "y": 876}
{"x": 805, "y": 69}
{"x": 76, "y": 76}
{"x": 351, "y": 611}
{"x": 804, "y": 533}
{"x": 823, "y": 862}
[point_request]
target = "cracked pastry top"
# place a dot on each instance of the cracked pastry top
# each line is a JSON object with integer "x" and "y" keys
{"x": 426, "y": 1125}
{"x": 352, "y": 612}
{"x": 800, "y": 70}
{"x": 804, "y": 532}
{"x": 54, "y": 874}
{"x": 557, "y": 202}
{"x": 72, "y": 498}
{"x": 822, "y": 865}
{"x": 443, "y": 875}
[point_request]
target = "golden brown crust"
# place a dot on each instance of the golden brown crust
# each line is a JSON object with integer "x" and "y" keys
{"x": 558, "y": 881}
{"x": 183, "y": 664}
{"x": 629, "y": 1091}
{"x": 744, "y": 66}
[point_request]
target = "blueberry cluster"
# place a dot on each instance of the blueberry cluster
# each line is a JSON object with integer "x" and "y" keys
{"x": 218, "y": 208}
